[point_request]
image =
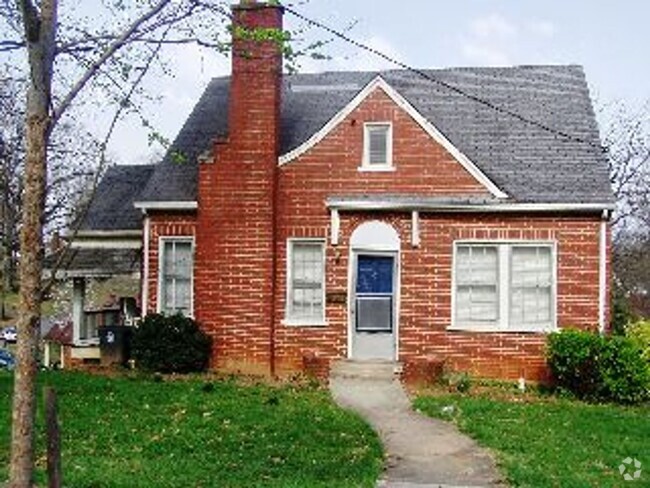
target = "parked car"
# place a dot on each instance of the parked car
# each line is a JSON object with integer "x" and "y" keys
{"x": 7, "y": 360}
{"x": 9, "y": 334}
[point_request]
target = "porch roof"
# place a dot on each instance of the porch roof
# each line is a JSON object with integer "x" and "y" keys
{"x": 95, "y": 263}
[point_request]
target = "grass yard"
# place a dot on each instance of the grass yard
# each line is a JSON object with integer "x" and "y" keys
{"x": 555, "y": 443}
{"x": 135, "y": 432}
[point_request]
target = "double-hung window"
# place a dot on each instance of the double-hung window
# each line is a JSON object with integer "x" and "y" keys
{"x": 306, "y": 282}
{"x": 477, "y": 284}
{"x": 504, "y": 286}
{"x": 176, "y": 272}
{"x": 531, "y": 286}
{"x": 377, "y": 146}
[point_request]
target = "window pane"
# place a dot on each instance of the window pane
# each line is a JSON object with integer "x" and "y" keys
{"x": 176, "y": 281}
{"x": 531, "y": 291}
{"x": 306, "y": 287}
{"x": 477, "y": 291}
{"x": 183, "y": 265}
{"x": 377, "y": 144}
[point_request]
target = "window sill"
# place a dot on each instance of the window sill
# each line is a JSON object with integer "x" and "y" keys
{"x": 376, "y": 169}
{"x": 502, "y": 330}
{"x": 86, "y": 342}
{"x": 304, "y": 323}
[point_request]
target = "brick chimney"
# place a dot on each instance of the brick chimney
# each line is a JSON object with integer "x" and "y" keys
{"x": 235, "y": 242}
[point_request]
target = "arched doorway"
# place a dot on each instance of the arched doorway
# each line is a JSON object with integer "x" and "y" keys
{"x": 373, "y": 292}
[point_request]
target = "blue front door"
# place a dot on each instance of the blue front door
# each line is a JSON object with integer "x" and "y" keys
{"x": 373, "y": 314}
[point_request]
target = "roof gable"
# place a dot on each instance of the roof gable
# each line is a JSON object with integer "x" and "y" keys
{"x": 524, "y": 161}
{"x": 378, "y": 83}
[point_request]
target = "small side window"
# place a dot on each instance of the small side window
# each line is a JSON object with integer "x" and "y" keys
{"x": 306, "y": 282}
{"x": 377, "y": 146}
{"x": 175, "y": 275}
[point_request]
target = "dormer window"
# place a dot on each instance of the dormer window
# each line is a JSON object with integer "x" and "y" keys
{"x": 377, "y": 147}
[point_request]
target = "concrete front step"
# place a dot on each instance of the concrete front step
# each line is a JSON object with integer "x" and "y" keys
{"x": 369, "y": 369}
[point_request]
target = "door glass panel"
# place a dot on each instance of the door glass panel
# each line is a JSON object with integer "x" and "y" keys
{"x": 374, "y": 293}
{"x": 374, "y": 274}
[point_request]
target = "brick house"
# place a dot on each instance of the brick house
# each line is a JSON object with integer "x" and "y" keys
{"x": 304, "y": 219}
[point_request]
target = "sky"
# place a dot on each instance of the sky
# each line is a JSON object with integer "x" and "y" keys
{"x": 610, "y": 39}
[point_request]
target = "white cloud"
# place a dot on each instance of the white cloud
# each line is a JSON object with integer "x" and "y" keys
{"x": 356, "y": 59}
{"x": 542, "y": 28}
{"x": 493, "y": 26}
{"x": 494, "y": 40}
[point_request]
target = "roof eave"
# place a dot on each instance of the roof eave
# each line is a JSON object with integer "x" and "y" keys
{"x": 166, "y": 205}
{"x": 433, "y": 207}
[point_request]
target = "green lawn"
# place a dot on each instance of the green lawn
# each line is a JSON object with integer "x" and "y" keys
{"x": 134, "y": 432}
{"x": 555, "y": 443}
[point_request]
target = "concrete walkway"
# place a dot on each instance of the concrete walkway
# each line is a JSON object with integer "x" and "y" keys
{"x": 421, "y": 451}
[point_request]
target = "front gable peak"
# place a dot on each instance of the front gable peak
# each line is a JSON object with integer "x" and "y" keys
{"x": 379, "y": 83}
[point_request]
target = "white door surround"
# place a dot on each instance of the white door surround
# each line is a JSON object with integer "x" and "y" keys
{"x": 374, "y": 252}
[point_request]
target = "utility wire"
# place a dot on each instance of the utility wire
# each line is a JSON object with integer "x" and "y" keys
{"x": 442, "y": 83}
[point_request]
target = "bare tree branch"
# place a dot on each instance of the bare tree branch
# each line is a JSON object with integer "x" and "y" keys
{"x": 115, "y": 46}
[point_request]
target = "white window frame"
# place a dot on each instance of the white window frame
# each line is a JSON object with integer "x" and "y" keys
{"x": 504, "y": 248}
{"x": 288, "y": 319}
{"x": 365, "y": 163}
{"x": 162, "y": 240}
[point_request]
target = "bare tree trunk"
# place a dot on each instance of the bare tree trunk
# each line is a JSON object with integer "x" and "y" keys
{"x": 31, "y": 245}
{"x": 40, "y": 31}
{"x": 54, "y": 474}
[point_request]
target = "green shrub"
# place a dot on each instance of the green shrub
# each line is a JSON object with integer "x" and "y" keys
{"x": 172, "y": 344}
{"x": 625, "y": 372}
{"x": 573, "y": 358}
{"x": 639, "y": 332}
{"x": 594, "y": 367}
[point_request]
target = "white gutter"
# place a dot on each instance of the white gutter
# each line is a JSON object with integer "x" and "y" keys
{"x": 144, "y": 206}
{"x": 106, "y": 233}
{"x": 145, "y": 266}
{"x": 602, "y": 273}
{"x": 363, "y": 204}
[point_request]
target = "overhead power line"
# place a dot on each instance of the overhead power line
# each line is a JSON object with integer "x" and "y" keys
{"x": 444, "y": 84}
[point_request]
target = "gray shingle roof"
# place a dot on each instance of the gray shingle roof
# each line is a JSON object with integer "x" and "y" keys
{"x": 112, "y": 205}
{"x": 527, "y": 162}
{"x": 96, "y": 262}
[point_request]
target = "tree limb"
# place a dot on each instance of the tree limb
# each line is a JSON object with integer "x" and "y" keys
{"x": 115, "y": 46}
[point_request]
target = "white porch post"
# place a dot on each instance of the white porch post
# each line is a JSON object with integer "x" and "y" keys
{"x": 335, "y": 227}
{"x": 415, "y": 228}
{"x": 46, "y": 354}
{"x": 78, "y": 303}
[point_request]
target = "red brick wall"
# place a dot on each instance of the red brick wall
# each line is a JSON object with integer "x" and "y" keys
{"x": 425, "y": 301}
{"x": 422, "y": 166}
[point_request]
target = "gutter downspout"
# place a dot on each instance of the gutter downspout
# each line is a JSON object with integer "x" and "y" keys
{"x": 274, "y": 267}
{"x": 145, "y": 267}
{"x": 602, "y": 272}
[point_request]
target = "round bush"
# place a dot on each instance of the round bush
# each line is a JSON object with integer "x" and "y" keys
{"x": 170, "y": 344}
{"x": 595, "y": 367}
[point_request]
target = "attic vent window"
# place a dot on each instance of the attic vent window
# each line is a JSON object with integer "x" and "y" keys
{"x": 377, "y": 147}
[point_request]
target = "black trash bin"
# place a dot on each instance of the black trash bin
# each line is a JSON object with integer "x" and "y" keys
{"x": 115, "y": 344}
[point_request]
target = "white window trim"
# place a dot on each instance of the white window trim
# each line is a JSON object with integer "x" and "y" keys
{"x": 503, "y": 286}
{"x": 161, "y": 245}
{"x": 365, "y": 162}
{"x": 294, "y": 322}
